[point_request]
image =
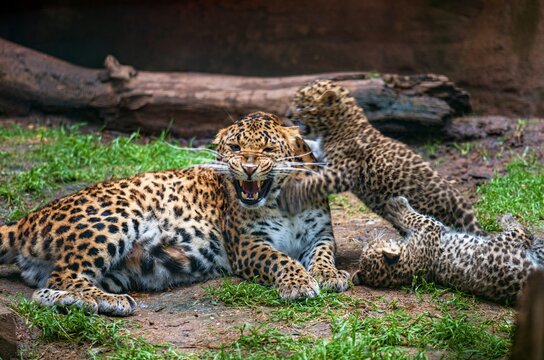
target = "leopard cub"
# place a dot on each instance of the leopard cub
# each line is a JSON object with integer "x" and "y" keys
{"x": 362, "y": 160}
{"x": 495, "y": 266}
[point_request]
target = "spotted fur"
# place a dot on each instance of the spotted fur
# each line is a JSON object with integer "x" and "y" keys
{"x": 362, "y": 160}
{"x": 157, "y": 230}
{"x": 495, "y": 266}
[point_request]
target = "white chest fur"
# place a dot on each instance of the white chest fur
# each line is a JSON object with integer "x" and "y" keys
{"x": 294, "y": 235}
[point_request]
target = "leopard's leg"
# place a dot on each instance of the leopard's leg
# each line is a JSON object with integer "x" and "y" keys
{"x": 71, "y": 288}
{"x": 74, "y": 280}
{"x": 462, "y": 214}
{"x": 318, "y": 258}
{"x": 298, "y": 195}
{"x": 403, "y": 216}
{"x": 445, "y": 203}
{"x": 512, "y": 230}
{"x": 270, "y": 266}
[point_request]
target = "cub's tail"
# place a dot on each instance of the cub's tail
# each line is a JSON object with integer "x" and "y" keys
{"x": 8, "y": 242}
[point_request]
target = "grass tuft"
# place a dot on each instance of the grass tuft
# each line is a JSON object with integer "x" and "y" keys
{"x": 58, "y": 156}
{"x": 519, "y": 192}
{"x": 251, "y": 294}
{"x": 102, "y": 337}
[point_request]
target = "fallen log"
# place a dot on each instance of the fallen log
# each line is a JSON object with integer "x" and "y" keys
{"x": 195, "y": 104}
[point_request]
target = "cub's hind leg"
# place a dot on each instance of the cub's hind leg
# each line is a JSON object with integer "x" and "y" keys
{"x": 404, "y": 217}
{"x": 514, "y": 231}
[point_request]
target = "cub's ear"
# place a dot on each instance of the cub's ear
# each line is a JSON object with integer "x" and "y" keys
{"x": 218, "y": 137}
{"x": 391, "y": 253}
{"x": 302, "y": 151}
{"x": 328, "y": 98}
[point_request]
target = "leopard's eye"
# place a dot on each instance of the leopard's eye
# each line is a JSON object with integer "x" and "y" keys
{"x": 234, "y": 147}
{"x": 268, "y": 150}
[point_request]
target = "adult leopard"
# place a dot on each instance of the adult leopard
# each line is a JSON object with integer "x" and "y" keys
{"x": 157, "y": 230}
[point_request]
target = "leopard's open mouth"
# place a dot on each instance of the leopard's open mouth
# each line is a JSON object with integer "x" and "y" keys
{"x": 251, "y": 192}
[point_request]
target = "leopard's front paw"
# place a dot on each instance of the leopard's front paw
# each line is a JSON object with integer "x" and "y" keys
{"x": 331, "y": 278}
{"x": 296, "y": 288}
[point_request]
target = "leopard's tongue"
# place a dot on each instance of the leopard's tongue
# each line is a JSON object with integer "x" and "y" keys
{"x": 251, "y": 187}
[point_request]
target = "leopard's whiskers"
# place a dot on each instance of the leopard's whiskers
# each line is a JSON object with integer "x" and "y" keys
{"x": 210, "y": 151}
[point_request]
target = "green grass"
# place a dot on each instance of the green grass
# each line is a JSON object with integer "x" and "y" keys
{"x": 354, "y": 333}
{"x": 44, "y": 159}
{"x": 251, "y": 294}
{"x": 431, "y": 147}
{"x": 519, "y": 192}
{"x": 464, "y": 148}
{"x": 98, "y": 336}
{"x": 390, "y": 333}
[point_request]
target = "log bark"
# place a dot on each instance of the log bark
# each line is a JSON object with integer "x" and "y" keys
{"x": 195, "y": 104}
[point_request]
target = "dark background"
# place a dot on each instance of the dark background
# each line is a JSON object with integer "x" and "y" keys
{"x": 494, "y": 49}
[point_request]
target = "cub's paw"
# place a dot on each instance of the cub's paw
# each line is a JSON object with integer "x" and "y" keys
{"x": 395, "y": 206}
{"x": 297, "y": 288}
{"x": 331, "y": 278}
{"x": 508, "y": 221}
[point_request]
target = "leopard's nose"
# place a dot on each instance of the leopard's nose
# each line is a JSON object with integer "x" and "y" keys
{"x": 249, "y": 169}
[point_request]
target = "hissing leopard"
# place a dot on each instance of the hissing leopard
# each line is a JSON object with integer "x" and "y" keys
{"x": 494, "y": 266}
{"x": 157, "y": 230}
{"x": 362, "y": 160}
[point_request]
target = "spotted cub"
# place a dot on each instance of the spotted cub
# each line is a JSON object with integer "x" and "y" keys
{"x": 157, "y": 230}
{"x": 362, "y": 160}
{"x": 495, "y": 266}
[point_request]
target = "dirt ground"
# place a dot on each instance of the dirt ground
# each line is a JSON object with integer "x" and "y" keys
{"x": 191, "y": 322}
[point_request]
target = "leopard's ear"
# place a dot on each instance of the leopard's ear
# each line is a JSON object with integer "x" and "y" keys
{"x": 391, "y": 253}
{"x": 328, "y": 97}
{"x": 219, "y": 135}
{"x": 297, "y": 143}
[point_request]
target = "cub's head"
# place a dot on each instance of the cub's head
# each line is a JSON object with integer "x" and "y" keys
{"x": 382, "y": 264}
{"x": 316, "y": 106}
{"x": 259, "y": 154}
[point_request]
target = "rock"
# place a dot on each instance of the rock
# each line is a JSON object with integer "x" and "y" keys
{"x": 8, "y": 335}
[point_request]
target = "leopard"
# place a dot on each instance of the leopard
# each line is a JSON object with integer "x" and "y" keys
{"x": 495, "y": 267}
{"x": 157, "y": 230}
{"x": 362, "y": 160}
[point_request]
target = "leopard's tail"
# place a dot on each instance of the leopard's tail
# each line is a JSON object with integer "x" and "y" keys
{"x": 465, "y": 217}
{"x": 9, "y": 247}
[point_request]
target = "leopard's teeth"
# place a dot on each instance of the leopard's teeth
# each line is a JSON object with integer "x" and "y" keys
{"x": 247, "y": 196}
